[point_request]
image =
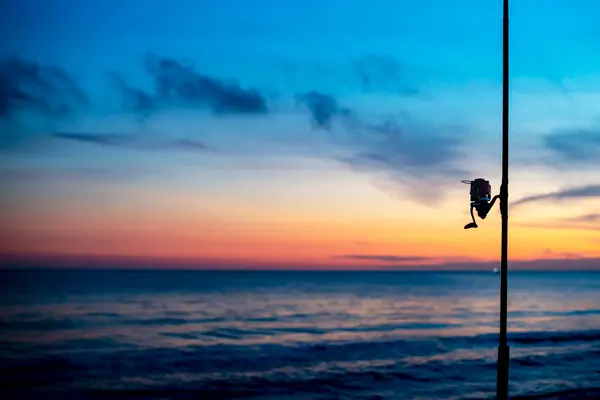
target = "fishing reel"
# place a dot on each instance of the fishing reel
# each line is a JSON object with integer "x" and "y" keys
{"x": 481, "y": 200}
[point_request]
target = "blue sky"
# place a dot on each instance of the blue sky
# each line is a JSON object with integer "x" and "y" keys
{"x": 403, "y": 96}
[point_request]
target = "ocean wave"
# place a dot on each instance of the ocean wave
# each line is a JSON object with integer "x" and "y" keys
{"x": 178, "y": 374}
{"x": 591, "y": 393}
{"x": 231, "y": 357}
{"x": 295, "y": 336}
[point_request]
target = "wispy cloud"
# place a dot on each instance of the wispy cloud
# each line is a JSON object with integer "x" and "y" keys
{"x": 586, "y": 222}
{"x": 410, "y": 146}
{"x": 102, "y": 139}
{"x": 575, "y": 146}
{"x": 134, "y": 99}
{"x": 586, "y": 218}
{"x": 131, "y": 141}
{"x": 14, "y": 175}
{"x": 581, "y": 192}
{"x": 396, "y": 151}
{"x": 558, "y": 225}
{"x": 563, "y": 254}
{"x": 382, "y": 258}
{"x": 413, "y": 155}
{"x": 46, "y": 89}
{"x": 188, "y": 144}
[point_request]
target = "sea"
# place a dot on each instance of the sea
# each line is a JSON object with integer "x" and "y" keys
{"x": 278, "y": 335}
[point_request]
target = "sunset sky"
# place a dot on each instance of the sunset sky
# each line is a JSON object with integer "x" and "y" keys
{"x": 282, "y": 134}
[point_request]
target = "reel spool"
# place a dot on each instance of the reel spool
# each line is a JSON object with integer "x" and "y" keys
{"x": 481, "y": 190}
{"x": 480, "y": 199}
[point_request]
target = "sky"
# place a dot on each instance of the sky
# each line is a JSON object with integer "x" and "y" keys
{"x": 305, "y": 134}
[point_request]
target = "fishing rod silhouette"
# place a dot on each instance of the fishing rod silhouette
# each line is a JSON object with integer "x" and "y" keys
{"x": 481, "y": 200}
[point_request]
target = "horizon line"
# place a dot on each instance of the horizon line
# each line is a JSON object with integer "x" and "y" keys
{"x": 12, "y": 261}
{"x": 280, "y": 270}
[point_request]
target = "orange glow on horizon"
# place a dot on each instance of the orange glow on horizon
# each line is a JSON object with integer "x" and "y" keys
{"x": 303, "y": 243}
{"x": 277, "y": 231}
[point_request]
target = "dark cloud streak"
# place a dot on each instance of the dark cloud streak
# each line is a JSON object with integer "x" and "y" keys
{"x": 322, "y": 107}
{"x": 176, "y": 84}
{"x": 95, "y": 138}
{"x": 135, "y": 99}
{"x": 131, "y": 141}
{"x": 47, "y": 89}
{"x": 586, "y": 218}
{"x": 586, "y": 222}
{"x": 576, "y": 146}
{"x": 575, "y": 193}
{"x": 11, "y": 176}
{"x": 382, "y": 258}
{"x": 559, "y": 225}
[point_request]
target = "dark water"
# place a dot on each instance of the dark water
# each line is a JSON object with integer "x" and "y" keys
{"x": 295, "y": 335}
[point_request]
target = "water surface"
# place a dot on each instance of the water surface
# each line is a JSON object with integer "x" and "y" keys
{"x": 295, "y": 335}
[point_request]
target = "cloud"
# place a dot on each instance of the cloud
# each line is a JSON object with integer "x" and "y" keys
{"x": 558, "y": 225}
{"x": 16, "y": 175}
{"x": 47, "y": 89}
{"x": 130, "y": 141}
{"x": 565, "y": 194}
{"x": 188, "y": 144}
{"x": 587, "y": 222}
{"x": 583, "y": 222}
{"x": 576, "y": 146}
{"x": 382, "y": 258}
{"x": 95, "y": 138}
{"x": 586, "y": 218}
{"x": 176, "y": 84}
{"x": 564, "y": 255}
{"x": 395, "y": 151}
{"x": 135, "y": 99}
{"x": 322, "y": 107}
{"x": 416, "y": 156}
{"x": 407, "y": 146}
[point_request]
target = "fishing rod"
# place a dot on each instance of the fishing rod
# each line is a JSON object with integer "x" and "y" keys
{"x": 503, "y": 349}
{"x": 482, "y": 202}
